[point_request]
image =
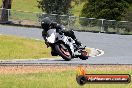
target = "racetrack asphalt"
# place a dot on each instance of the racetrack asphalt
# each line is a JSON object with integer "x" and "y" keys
{"x": 117, "y": 48}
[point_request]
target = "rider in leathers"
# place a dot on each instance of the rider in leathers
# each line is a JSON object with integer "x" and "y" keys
{"x": 47, "y": 24}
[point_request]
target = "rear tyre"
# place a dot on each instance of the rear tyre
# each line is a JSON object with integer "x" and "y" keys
{"x": 64, "y": 51}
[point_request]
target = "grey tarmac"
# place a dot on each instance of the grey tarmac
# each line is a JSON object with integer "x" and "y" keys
{"x": 117, "y": 48}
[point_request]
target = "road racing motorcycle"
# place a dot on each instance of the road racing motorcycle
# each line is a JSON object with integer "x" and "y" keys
{"x": 65, "y": 46}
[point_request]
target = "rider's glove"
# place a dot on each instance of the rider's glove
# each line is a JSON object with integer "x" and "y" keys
{"x": 61, "y": 32}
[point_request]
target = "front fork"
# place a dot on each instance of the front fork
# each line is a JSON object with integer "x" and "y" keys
{"x": 75, "y": 52}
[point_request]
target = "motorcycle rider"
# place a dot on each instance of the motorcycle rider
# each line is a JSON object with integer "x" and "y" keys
{"x": 48, "y": 24}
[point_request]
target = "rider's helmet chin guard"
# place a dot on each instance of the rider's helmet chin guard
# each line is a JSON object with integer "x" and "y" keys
{"x": 45, "y": 23}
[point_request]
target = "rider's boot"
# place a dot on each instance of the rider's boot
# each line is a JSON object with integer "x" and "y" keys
{"x": 79, "y": 44}
{"x": 53, "y": 53}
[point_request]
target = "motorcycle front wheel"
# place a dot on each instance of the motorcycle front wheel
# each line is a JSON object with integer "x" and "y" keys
{"x": 64, "y": 51}
{"x": 84, "y": 55}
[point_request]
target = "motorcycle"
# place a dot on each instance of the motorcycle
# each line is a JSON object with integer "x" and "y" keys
{"x": 65, "y": 46}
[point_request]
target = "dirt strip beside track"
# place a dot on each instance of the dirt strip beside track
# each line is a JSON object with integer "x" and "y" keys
{"x": 49, "y": 69}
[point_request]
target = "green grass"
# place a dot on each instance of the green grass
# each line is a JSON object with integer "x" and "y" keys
{"x": 25, "y": 5}
{"x": 20, "y": 15}
{"x": 64, "y": 79}
{"x": 0, "y": 2}
{"x": 77, "y": 9}
{"x": 12, "y": 47}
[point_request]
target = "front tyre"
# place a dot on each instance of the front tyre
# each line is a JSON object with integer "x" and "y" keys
{"x": 64, "y": 51}
{"x": 84, "y": 55}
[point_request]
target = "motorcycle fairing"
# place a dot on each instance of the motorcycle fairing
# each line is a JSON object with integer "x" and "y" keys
{"x": 51, "y": 35}
{"x": 66, "y": 39}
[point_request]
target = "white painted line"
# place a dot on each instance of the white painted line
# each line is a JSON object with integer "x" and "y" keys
{"x": 101, "y": 52}
{"x": 96, "y": 52}
{"x": 38, "y": 39}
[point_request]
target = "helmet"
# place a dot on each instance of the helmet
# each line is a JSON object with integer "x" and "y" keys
{"x": 45, "y": 23}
